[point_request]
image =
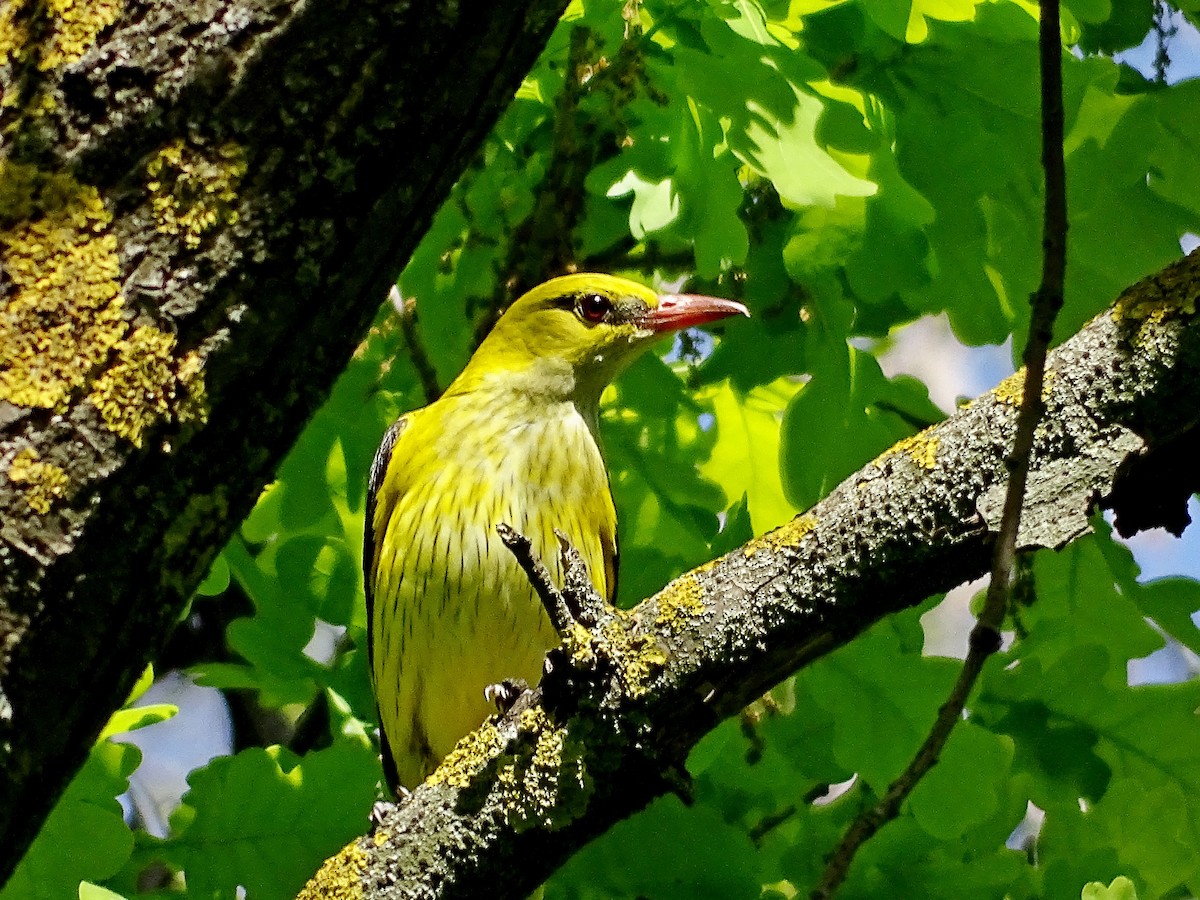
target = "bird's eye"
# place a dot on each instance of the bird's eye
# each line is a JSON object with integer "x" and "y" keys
{"x": 593, "y": 307}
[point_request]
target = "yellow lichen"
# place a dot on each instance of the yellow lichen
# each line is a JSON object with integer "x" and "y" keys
{"x": 381, "y": 837}
{"x": 73, "y": 26}
{"x": 469, "y": 757}
{"x": 921, "y": 449}
{"x": 540, "y": 781}
{"x": 1141, "y": 306}
{"x": 679, "y": 602}
{"x": 547, "y": 750}
{"x": 789, "y": 534}
{"x": 540, "y": 784}
{"x": 63, "y": 312}
{"x": 77, "y": 23}
{"x": 42, "y": 104}
{"x": 1011, "y": 391}
{"x": 340, "y": 876}
{"x": 1148, "y": 305}
{"x": 44, "y": 482}
{"x": 192, "y": 403}
{"x": 543, "y": 786}
{"x": 579, "y": 641}
{"x": 146, "y": 383}
{"x": 638, "y": 655}
{"x": 506, "y": 776}
{"x": 532, "y": 720}
{"x": 192, "y": 190}
{"x": 14, "y": 35}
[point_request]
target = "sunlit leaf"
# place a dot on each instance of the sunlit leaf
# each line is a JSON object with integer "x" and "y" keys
{"x": 266, "y": 819}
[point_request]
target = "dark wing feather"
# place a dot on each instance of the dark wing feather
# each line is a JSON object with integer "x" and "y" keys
{"x": 612, "y": 563}
{"x": 383, "y": 456}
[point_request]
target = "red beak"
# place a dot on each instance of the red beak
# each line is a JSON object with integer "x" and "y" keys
{"x": 675, "y": 311}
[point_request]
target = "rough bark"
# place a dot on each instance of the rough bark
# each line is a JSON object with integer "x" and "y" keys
{"x": 202, "y": 204}
{"x": 624, "y": 701}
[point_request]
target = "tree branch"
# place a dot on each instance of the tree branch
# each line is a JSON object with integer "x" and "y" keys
{"x": 552, "y": 601}
{"x": 920, "y": 519}
{"x": 406, "y": 312}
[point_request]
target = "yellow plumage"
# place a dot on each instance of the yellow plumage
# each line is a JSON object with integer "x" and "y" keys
{"x": 514, "y": 440}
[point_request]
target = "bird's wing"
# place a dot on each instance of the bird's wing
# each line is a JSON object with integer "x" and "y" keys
{"x": 612, "y": 561}
{"x": 372, "y": 537}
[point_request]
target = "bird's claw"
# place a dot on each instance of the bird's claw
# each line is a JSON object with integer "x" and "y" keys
{"x": 380, "y": 811}
{"x": 505, "y": 694}
{"x": 383, "y": 808}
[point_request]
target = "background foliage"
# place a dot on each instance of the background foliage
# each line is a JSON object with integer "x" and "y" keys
{"x": 844, "y": 168}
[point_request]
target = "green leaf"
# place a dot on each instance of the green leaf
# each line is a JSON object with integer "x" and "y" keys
{"x": 917, "y": 28}
{"x": 785, "y": 151}
{"x": 1076, "y": 853}
{"x": 133, "y": 718}
{"x": 1151, "y": 827}
{"x": 771, "y": 344}
{"x": 1133, "y": 754}
{"x": 85, "y": 838}
{"x": 899, "y": 862}
{"x": 894, "y": 255}
{"x": 963, "y": 789}
{"x": 1171, "y": 602}
{"x": 440, "y": 275}
{"x": 655, "y": 203}
{"x": 844, "y": 416}
{"x": 266, "y": 819}
{"x": 745, "y": 458}
{"x": 705, "y": 857}
{"x": 217, "y": 579}
{"x": 879, "y": 685}
{"x": 891, "y": 18}
{"x": 321, "y": 572}
{"x": 710, "y": 194}
{"x": 89, "y": 891}
{"x": 667, "y": 508}
{"x": 1120, "y": 889}
{"x": 735, "y": 530}
{"x": 263, "y": 522}
{"x": 1091, "y": 12}
{"x": 1084, "y": 598}
{"x": 1112, "y": 149}
{"x": 1127, "y": 26}
{"x": 272, "y": 640}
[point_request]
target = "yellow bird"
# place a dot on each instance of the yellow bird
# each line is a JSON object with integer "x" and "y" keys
{"x": 514, "y": 439}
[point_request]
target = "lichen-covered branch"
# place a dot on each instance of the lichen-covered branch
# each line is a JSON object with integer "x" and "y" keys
{"x": 594, "y": 744}
{"x": 201, "y": 206}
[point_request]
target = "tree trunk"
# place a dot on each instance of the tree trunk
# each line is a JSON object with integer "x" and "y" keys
{"x": 202, "y": 205}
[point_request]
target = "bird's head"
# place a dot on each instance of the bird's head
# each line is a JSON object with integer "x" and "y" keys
{"x": 572, "y": 335}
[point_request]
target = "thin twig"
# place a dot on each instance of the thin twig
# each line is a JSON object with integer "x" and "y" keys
{"x": 1164, "y": 32}
{"x": 407, "y": 310}
{"x": 1046, "y": 302}
{"x": 586, "y": 605}
{"x": 522, "y": 548}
